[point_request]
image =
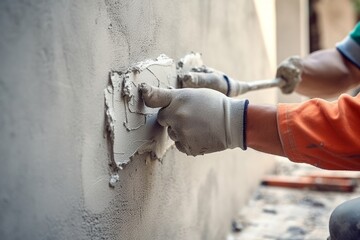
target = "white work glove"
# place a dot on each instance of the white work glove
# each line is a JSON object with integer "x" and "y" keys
{"x": 205, "y": 77}
{"x": 199, "y": 120}
{"x": 290, "y": 70}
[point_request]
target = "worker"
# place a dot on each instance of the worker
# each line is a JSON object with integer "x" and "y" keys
{"x": 318, "y": 132}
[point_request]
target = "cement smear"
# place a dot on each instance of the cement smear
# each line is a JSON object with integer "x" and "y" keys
{"x": 132, "y": 127}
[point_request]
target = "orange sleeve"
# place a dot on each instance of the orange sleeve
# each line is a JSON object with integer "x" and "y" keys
{"x": 323, "y": 134}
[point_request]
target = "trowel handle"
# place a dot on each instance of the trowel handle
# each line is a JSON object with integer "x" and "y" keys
{"x": 260, "y": 84}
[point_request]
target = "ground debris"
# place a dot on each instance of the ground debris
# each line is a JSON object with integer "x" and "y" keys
{"x": 289, "y": 214}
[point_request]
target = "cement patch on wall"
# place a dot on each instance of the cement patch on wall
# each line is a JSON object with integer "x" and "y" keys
{"x": 127, "y": 114}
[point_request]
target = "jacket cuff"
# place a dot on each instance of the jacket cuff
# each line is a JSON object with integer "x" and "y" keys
{"x": 350, "y": 50}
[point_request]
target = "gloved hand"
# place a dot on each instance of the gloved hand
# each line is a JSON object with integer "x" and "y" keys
{"x": 290, "y": 70}
{"x": 205, "y": 77}
{"x": 199, "y": 120}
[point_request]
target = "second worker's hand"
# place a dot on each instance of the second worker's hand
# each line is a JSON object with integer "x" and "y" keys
{"x": 290, "y": 70}
{"x": 199, "y": 121}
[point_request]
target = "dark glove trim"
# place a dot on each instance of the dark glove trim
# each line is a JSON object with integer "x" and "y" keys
{"x": 228, "y": 85}
{"x": 245, "y": 123}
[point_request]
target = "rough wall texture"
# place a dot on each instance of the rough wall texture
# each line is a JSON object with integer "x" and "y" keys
{"x": 55, "y": 57}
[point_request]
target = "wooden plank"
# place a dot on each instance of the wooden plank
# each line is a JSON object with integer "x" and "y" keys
{"x": 311, "y": 182}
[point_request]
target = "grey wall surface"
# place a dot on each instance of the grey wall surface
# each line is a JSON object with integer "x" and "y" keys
{"x": 55, "y": 57}
{"x": 292, "y": 36}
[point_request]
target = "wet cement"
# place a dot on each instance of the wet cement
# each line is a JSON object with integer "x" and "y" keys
{"x": 127, "y": 114}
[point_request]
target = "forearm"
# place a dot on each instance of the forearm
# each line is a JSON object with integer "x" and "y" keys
{"x": 326, "y": 74}
{"x": 262, "y": 132}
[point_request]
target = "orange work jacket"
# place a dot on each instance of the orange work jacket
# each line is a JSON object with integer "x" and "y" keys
{"x": 321, "y": 133}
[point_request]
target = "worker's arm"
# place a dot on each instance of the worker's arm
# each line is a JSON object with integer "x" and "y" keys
{"x": 262, "y": 131}
{"x": 324, "y": 134}
{"x": 204, "y": 121}
{"x": 327, "y": 73}
{"x": 321, "y": 133}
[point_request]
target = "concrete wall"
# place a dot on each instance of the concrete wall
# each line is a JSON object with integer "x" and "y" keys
{"x": 54, "y": 63}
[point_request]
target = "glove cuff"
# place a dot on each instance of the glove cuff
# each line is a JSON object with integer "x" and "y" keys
{"x": 235, "y": 111}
